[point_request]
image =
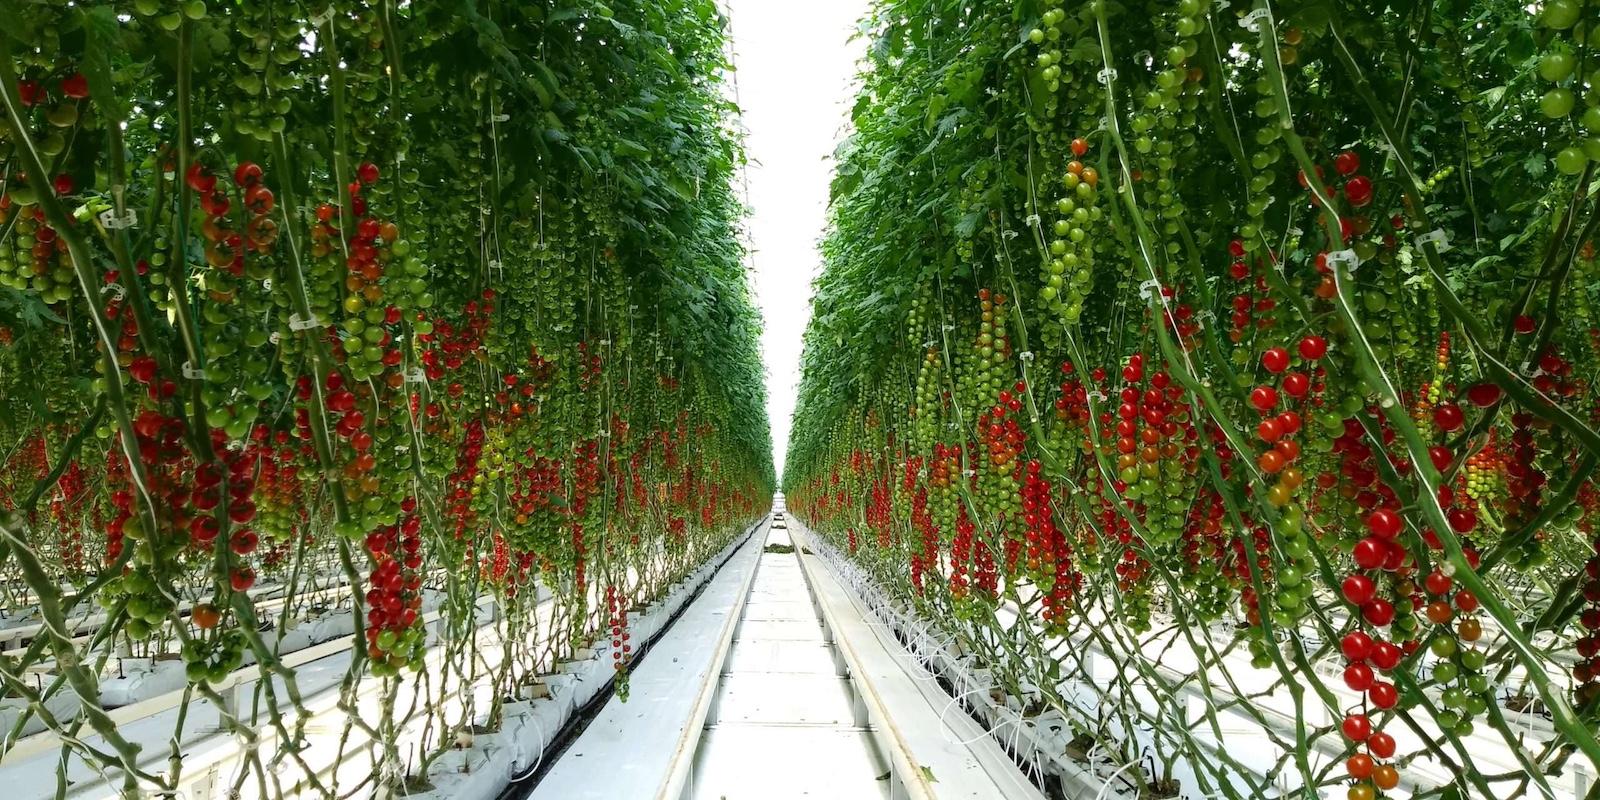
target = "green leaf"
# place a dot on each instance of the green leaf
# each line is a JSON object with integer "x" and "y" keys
{"x": 101, "y": 47}
{"x": 1536, "y": 165}
{"x": 628, "y": 147}
{"x": 968, "y": 225}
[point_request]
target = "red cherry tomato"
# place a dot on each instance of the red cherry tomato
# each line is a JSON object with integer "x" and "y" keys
{"x": 1483, "y": 395}
{"x": 1358, "y": 677}
{"x": 1356, "y": 727}
{"x": 1449, "y": 417}
{"x": 1264, "y": 398}
{"x": 75, "y": 86}
{"x": 1384, "y": 524}
{"x": 1276, "y": 360}
{"x": 1356, "y": 646}
{"x": 1359, "y": 590}
{"x": 1370, "y": 552}
{"x": 1383, "y": 695}
{"x": 1313, "y": 348}
{"x": 1358, "y": 190}
{"x": 1386, "y": 656}
{"x": 1347, "y": 162}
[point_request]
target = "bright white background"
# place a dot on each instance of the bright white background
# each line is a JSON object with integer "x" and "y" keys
{"x": 795, "y": 70}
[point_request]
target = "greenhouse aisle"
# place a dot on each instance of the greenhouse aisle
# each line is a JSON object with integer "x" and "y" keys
{"x": 783, "y": 708}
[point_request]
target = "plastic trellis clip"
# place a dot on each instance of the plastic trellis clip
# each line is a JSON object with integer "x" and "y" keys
{"x": 193, "y": 374}
{"x": 112, "y": 222}
{"x": 1527, "y": 369}
{"x": 416, "y": 375}
{"x": 116, "y": 291}
{"x": 298, "y": 324}
{"x": 1346, "y": 258}
{"x": 1149, "y": 287}
{"x": 274, "y": 337}
{"x": 321, "y": 19}
{"x": 1097, "y": 395}
{"x": 501, "y": 118}
{"x": 1252, "y": 20}
{"x": 1440, "y": 239}
{"x": 1032, "y": 220}
{"x": 1106, "y": 75}
{"x": 1026, "y": 355}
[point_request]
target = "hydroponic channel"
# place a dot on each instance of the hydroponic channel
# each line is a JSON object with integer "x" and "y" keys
{"x": 1192, "y": 399}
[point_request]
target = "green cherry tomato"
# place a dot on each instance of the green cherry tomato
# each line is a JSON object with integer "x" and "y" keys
{"x": 1557, "y": 103}
{"x": 1557, "y": 65}
{"x": 1559, "y": 14}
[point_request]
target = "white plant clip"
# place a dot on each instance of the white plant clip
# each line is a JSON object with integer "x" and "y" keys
{"x": 321, "y": 19}
{"x": 948, "y": 327}
{"x": 1142, "y": 57}
{"x": 116, "y": 291}
{"x": 1150, "y": 287}
{"x": 1345, "y": 258}
{"x": 1528, "y": 369}
{"x": 111, "y": 222}
{"x": 1252, "y": 21}
{"x": 400, "y": 157}
{"x": 274, "y": 337}
{"x": 1026, "y": 355}
{"x": 416, "y": 375}
{"x": 1032, "y": 220}
{"x": 298, "y": 324}
{"x": 1097, "y": 395}
{"x": 1207, "y": 314}
{"x": 193, "y": 374}
{"x": 501, "y": 118}
{"x": 1440, "y": 239}
{"x": 266, "y": 284}
{"x": 1293, "y": 231}
{"x": 1106, "y": 75}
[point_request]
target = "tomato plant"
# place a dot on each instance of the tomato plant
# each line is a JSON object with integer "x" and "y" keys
{"x": 1248, "y": 346}
{"x": 378, "y": 309}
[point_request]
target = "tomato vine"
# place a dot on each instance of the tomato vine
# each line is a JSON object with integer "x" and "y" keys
{"x": 1243, "y": 345}
{"x": 377, "y": 312}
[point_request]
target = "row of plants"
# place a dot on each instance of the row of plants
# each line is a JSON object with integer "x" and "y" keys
{"x": 1247, "y": 347}
{"x": 448, "y": 296}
